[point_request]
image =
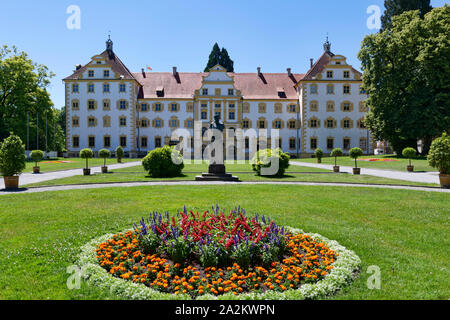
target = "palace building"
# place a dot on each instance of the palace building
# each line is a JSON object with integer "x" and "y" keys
{"x": 109, "y": 106}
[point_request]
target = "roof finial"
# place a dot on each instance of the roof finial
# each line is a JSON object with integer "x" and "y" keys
{"x": 327, "y": 45}
{"x": 109, "y": 43}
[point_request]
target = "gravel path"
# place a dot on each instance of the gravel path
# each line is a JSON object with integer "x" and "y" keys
{"x": 194, "y": 183}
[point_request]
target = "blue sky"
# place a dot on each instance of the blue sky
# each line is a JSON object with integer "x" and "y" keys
{"x": 271, "y": 34}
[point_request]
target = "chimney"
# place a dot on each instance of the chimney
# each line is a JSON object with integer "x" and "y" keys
{"x": 312, "y": 62}
{"x": 289, "y": 71}
{"x": 259, "y": 71}
{"x": 143, "y": 72}
{"x": 175, "y": 72}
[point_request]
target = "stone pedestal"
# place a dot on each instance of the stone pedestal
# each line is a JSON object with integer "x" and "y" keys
{"x": 217, "y": 172}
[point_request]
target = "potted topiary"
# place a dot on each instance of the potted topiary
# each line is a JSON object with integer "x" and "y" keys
{"x": 355, "y": 153}
{"x": 86, "y": 154}
{"x": 37, "y": 156}
{"x": 409, "y": 153}
{"x": 337, "y": 152}
{"x": 319, "y": 155}
{"x": 439, "y": 158}
{"x": 119, "y": 154}
{"x": 104, "y": 153}
{"x": 12, "y": 161}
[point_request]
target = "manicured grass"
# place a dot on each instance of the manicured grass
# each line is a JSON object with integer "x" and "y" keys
{"x": 243, "y": 171}
{"x": 420, "y": 164}
{"x": 72, "y": 163}
{"x": 404, "y": 233}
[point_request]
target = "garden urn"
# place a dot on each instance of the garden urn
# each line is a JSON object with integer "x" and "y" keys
{"x": 86, "y": 172}
{"x": 36, "y": 169}
{"x": 336, "y": 169}
{"x": 445, "y": 181}
{"x": 410, "y": 168}
{"x": 11, "y": 183}
{"x": 104, "y": 169}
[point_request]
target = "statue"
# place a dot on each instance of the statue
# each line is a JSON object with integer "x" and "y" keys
{"x": 217, "y": 124}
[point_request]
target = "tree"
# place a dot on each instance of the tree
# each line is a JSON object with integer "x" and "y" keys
{"x": 407, "y": 79}
{"x": 23, "y": 92}
{"x": 12, "y": 156}
{"x": 221, "y": 57}
{"x": 355, "y": 153}
{"x": 397, "y": 7}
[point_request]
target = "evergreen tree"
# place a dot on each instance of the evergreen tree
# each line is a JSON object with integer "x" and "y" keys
{"x": 397, "y": 7}
{"x": 218, "y": 56}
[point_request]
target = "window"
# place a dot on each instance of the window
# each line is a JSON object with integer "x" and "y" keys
{"x": 231, "y": 92}
{"x": 189, "y": 107}
{"x": 91, "y": 142}
{"x": 278, "y": 108}
{"x": 75, "y": 105}
{"x": 346, "y": 106}
{"x": 190, "y": 123}
{"x": 144, "y": 123}
{"x": 330, "y": 106}
{"x": 346, "y": 143}
{"x": 144, "y": 142}
{"x": 76, "y": 142}
{"x": 313, "y": 89}
{"x": 107, "y": 141}
{"x": 362, "y": 90}
{"x": 329, "y": 74}
{"x": 91, "y": 88}
{"x": 330, "y": 143}
{"x": 262, "y": 108}
{"x": 277, "y": 124}
{"x": 91, "y": 122}
{"x": 91, "y": 105}
{"x": 361, "y": 124}
{"x": 292, "y": 108}
{"x": 247, "y": 143}
{"x": 174, "y": 107}
{"x": 292, "y": 143}
{"x": 157, "y": 142}
{"x": 123, "y": 121}
{"x": 218, "y": 92}
{"x": 313, "y": 123}
{"x": 75, "y": 122}
{"x": 363, "y": 143}
{"x": 122, "y": 105}
{"x": 218, "y": 105}
{"x": 158, "y": 123}
{"x": 262, "y": 124}
{"x": 123, "y": 141}
{"x": 122, "y": 87}
{"x": 346, "y": 124}
{"x": 204, "y": 115}
{"x": 314, "y": 106}
{"x": 292, "y": 124}
{"x": 245, "y": 124}
{"x": 144, "y": 107}
{"x": 346, "y": 89}
{"x": 218, "y": 114}
{"x": 231, "y": 105}
{"x": 106, "y": 105}
{"x": 205, "y": 92}
{"x": 158, "y": 107}
{"x": 346, "y": 74}
{"x": 75, "y": 88}
{"x": 106, "y": 88}
{"x": 204, "y": 105}
{"x": 231, "y": 115}
{"x": 91, "y": 73}
{"x": 173, "y": 123}
{"x": 105, "y": 73}
{"x": 330, "y": 123}
{"x": 330, "y": 89}
{"x": 313, "y": 143}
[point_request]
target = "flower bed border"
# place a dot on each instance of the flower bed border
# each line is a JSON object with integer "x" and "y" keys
{"x": 345, "y": 270}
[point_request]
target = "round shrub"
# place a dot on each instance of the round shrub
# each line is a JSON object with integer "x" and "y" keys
{"x": 12, "y": 156}
{"x": 337, "y": 152}
{"x": 104, "y": 153}
{"x": 267, "y": 157}
{"x": 37, "y": 156}
{"x": 119, "y": 152}
{"x": 355, "y": 153}
{"x": 409, "y": 153}
{"x": 86, "y": 154}
{"x": 439, "y": 155}
{"x": 319, "y": 153}
{"x": 163, "y": 162}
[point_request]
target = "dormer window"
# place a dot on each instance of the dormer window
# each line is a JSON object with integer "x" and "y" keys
{"x": 346, "y": 74}
{"x": 91, "y": 73}
{"x": 329, "y": 74}
{"x": 338, "y": 62}
{"x": 231, "y": 92}
{"x": 281, "y": 93}
{"x": 160, "y": 92}
{"x": 205, "y": 92}
{"x": 105, "y": 73}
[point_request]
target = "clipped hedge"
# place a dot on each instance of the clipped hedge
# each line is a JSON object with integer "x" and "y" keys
{"x": 163, "y": 162}
{"x": 266, "y": 157}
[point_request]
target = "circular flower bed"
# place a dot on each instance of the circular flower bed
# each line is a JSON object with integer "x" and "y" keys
{"x": 217, "y": 255}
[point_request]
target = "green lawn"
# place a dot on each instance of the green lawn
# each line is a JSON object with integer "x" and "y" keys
{"x": 404, "y": 233}
{"x": 420, "y": 164}
{"x": 243, "y": 171}
{"x": 72, "y": 163}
